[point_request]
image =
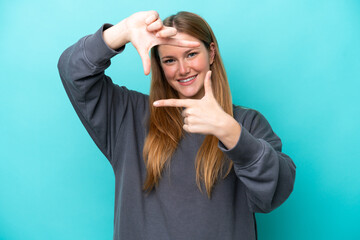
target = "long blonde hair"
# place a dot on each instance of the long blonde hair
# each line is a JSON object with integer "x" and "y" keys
{"x": 165, "y": 123}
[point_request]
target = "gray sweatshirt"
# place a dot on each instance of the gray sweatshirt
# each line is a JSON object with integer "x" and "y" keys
{"x": 116, "y": 118}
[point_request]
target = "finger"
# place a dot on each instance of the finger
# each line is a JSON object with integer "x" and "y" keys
{"x": 155, "y": 26}
{"x": 186, "y": 112}
{"x": 178, "y": 42}
{"x": 191, "y": 128}
{"x": 166, "y": 32}
{"x": 153, "y": 16}
{"x": 190, "y": 120}
{"x": 195, "y": 129}
{"x": 145, "y": 61}
{"x": 174, "y": 103}
{"x": 186, "y": 128}
{"x": 207, "y": 84}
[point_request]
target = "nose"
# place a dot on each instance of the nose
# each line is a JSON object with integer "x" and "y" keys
{"x": 184, "y": 68}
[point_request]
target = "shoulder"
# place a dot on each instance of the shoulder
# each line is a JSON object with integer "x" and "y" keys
{"x": 130, "y": 98}
{"x": 243, "y": 114}
{"x": 255, "y": 123}
{"x": 130, "y": 93}
{"x": 251, "y": 119}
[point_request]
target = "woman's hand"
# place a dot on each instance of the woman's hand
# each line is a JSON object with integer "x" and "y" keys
{"x": 144, "y": 30}
{"x": 205, "y": 116}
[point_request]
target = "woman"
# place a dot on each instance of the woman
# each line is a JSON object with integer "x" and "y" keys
{"x": 188, "y": 164}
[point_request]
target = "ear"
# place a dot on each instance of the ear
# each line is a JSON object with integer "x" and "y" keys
{"x": 211, "y": 53}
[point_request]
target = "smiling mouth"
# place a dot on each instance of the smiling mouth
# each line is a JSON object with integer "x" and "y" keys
{"x": 187, "y": 79}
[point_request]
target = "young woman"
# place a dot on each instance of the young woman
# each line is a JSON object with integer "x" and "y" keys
{"x": 188, "y": 163}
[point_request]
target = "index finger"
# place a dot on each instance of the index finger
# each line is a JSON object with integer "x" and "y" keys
{"x": 173, "y": 103}
{"x": 166, "y": 32}
{"x": 167, "y": 36}
{"x": 152, "y": 17}
{"x": 181, "y": 43}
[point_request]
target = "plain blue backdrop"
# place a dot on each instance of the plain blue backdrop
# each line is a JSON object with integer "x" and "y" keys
{"x": 297, "y": 62}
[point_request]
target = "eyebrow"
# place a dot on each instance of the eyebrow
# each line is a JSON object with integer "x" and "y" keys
{"x": 185, "y": 53}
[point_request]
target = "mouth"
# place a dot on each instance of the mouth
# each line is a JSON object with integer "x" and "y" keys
{"x": 187, "y": 81}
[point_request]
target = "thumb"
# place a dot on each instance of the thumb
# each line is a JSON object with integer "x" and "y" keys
{"x": 207, "y": 84}
{"x": 144, "y": 55}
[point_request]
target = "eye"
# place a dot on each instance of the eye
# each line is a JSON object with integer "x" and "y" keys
{"x": 192, "y": 54}
{"x": 168, "y": 61}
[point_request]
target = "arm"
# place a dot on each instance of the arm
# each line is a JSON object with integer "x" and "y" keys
{"x": 267, "y": 173}
{"x": 99, "y": 103}
{"x": 248, "y": 141}
{"x": 206, "y": 116}
{"x": 91, "y": 92}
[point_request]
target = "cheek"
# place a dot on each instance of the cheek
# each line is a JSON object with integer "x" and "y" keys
{"x": 201, "y": 64}
{"x": 169, "y": 72}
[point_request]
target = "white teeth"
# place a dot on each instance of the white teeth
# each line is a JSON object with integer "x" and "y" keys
{"x": 187, "y": 80}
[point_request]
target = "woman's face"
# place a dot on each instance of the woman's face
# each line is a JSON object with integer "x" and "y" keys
{"x": 185, "y": 68}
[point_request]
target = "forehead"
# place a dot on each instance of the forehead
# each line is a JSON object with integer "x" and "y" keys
{"x": 165, "y": 50}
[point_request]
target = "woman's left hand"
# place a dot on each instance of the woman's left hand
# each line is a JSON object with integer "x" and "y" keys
{"x": 206, "y": 116}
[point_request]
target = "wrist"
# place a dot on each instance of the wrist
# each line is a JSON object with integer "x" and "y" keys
{"x": 222, "y": 124}
{"x": 228, "y": 131}
{"x": 125, "y": 29}
{"x": 116, "y": 36}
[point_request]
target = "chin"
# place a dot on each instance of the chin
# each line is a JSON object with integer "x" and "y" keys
{"x": 194, "y": 95}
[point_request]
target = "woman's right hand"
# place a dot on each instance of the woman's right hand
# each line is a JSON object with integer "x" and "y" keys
{"x": 144, "y": 30}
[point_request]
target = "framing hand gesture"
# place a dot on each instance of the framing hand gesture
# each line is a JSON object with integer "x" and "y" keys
{"x": 205, "y": 116}
{"x": 147, "y": 31}
{"x": 144, "y": 30}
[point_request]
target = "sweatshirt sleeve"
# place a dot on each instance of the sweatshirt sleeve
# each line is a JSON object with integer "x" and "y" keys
{"x": 100, "y": 104}
{"x": 267, "y": 173}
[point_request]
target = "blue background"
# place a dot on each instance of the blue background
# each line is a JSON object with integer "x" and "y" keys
{"x": 297, "y": 62}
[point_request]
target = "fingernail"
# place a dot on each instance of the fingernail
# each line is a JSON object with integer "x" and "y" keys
{"x": 156, "y": 103}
